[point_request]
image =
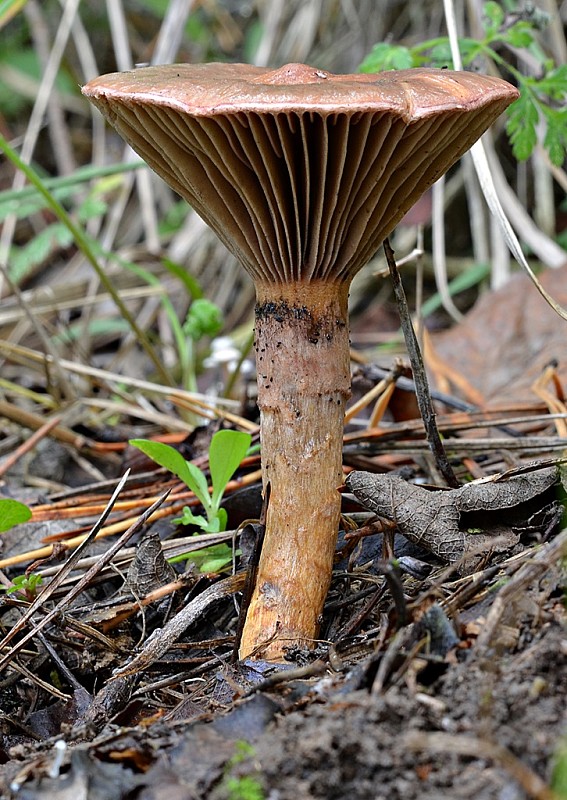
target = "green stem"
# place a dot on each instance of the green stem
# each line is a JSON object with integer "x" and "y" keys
{"x": 81, "y": 175}
{"x": 186, "y": 365}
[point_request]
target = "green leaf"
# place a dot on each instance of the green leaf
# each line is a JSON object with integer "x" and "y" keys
{"x": 215, "y": 524}
{"x": 555, "y": 141}
{"x": 492, "y": 18}
{"x": 244, "y": 787}
{"x": 521, "y": 126}
{"x": 25, "y": 585}
{"x": 384, "y": 56}
{"x": 157, "y": 7}
{"x": 25, "y": 60}
{"x": 39, "y": 249}
{"x": 220, "y": 521}
{"x": 188, "y": 518}
{"x": 470, "y": 49}
{"x": 227, "y": 450}
{"x": 519, "y": 35}
{"x": 440, "y": 53}
{"x": 255, "y": 31}
{"x": 198, "y": 485}
{"x": 96, "y": 327}
{"x": 12, "y": 512}
{"x": 170, "y": 458}
{"x": 204, "y": 319}
{"x": 92, "y": 207}
{"x": 210, "y": 559}
{"x": 554, "y": 84}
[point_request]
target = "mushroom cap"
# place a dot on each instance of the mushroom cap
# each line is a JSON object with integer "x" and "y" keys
{"x": 301, "y": 173}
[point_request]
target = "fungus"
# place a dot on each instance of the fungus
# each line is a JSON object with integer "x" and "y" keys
{"x": 302, "y": 174}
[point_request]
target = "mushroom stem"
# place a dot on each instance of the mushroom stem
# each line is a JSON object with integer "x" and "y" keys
{"x": 302, "y": 356}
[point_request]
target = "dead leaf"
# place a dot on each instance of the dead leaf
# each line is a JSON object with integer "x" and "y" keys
{"x": 508, "y": 338}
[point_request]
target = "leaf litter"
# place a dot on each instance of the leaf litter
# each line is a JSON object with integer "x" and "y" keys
{"x": 435, "y": 675}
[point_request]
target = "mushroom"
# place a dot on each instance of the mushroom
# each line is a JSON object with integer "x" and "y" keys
{"x": 302, "y": 174}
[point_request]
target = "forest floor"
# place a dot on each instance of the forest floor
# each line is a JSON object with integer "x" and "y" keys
{"x": 428, "y": 682}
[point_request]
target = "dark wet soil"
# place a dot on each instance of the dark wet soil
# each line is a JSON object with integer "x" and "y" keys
{"x": 483, "y": 722}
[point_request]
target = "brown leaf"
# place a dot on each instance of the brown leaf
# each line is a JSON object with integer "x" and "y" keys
{"x": 508, "y": 338}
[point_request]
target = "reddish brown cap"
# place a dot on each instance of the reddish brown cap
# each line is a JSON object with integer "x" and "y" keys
{"x": 300, "y": 172}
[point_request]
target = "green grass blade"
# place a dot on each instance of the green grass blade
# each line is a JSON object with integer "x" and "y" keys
{"x": 9, "y": 9}
{"x": 84, "y": 246}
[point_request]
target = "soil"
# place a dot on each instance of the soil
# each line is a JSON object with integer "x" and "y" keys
{"x": 469, "y": 715}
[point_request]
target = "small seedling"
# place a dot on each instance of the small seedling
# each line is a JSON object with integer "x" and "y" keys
{"x": 241, "y": 787}
{"x": 25, "y": 586}
{"x": 12, "y": 513}
{"x": 203, "y": 319}
{"x": 226, "y": 451}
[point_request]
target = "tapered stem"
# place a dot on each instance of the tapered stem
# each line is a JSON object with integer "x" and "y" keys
{"x": 302, "y": 357}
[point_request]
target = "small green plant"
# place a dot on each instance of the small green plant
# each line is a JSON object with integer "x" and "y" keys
{"x": 559, "y": 773}
{"x": 541, "y": 97}
{"x": 25, "y": 585}
{"x": 203, "y": 319}
{"x": 12, "y": 512}
{"x": 246, "y": 787}
{"x": 226, "y": 451}
{"x": 241, "y": 787}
